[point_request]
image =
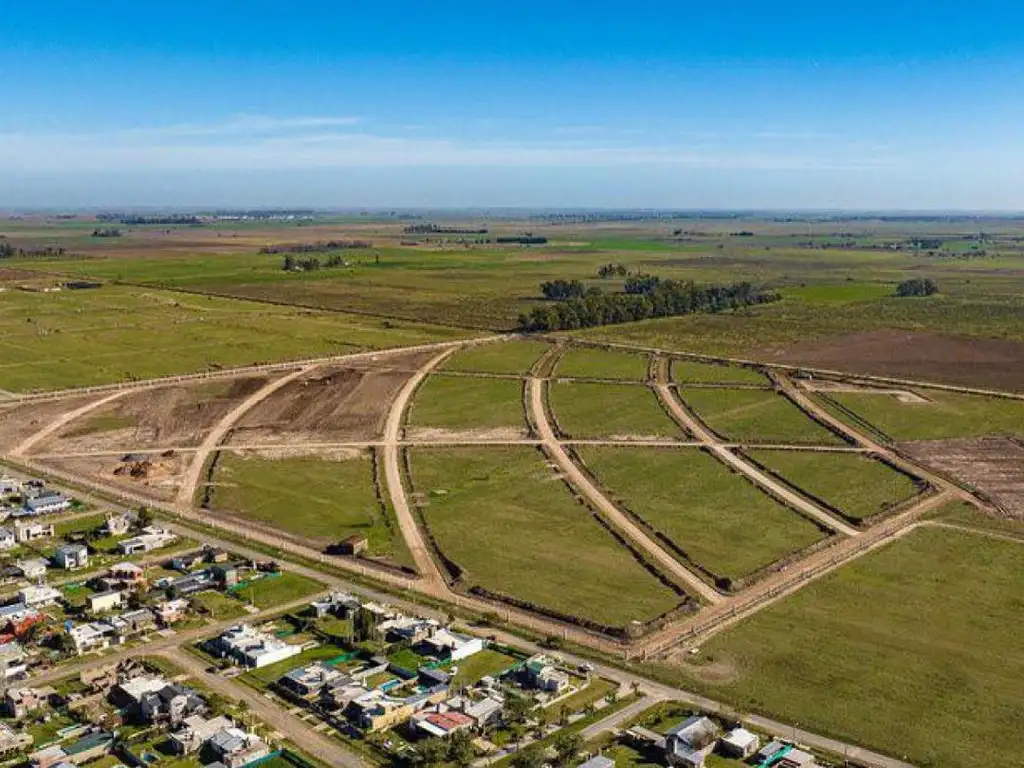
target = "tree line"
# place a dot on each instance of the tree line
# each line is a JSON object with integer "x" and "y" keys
{"x": 645, "y": 297}
{"x": 319, "y": 247}
{"x": 435, "y": 229}
{"x": 312, "y": 263}
{"x": 138, "y": 219}
{"x": 917, "y": 287}
{"x": 106, "y": 232}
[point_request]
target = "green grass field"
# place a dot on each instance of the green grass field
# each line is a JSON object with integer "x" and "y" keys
{"x": 753, "y": 416}
{"x": 514, "y": 528}
{"x": 277, "y": 589}
{"x": 586, "y": 363}
{"x": 510, "y": 357}
{"x": 117, "y": 333}
{"x": 946, "y": 415}
{"x": 316, "y": 498}
{"x": 857, "y": 485}
{"x": 465, "y": 403}
{"x": 688, "y": 372}
{"x": 220, "y": 607}
{"x": 962, "y": 514}
{"x": 479, "y": 665}
{"x": 719, "y": 519}
{"x": 916, "y": 649}
{"x": 588, "y": 409}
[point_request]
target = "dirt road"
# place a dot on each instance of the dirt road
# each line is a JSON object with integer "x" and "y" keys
{"x": 297, "y": 730}
{"x": 59, "y": 423}
{"x": 579, "y": 480}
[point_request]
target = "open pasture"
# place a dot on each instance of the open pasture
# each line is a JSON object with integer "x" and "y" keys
{"x": 506, "y": 358}
{"x": 587, "y": 410}
{"x": 593, "y": 363}
{"x": 753, "y": 416}
{"x": 471, "y": 406}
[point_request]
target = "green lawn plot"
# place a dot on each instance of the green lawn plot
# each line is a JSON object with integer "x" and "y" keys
{"x": 509, "y": 357}
{"x": 325, "y": 499}
{"x": 690, "y": 372}
{"x": 218, "y": 606}
{"x": 276, "y": 589}
{"x": 719, "y": 519}
{"x": 590, "y": 363}
{"x": 479, "y": 665}
{"x": 514, "y": 529}
{"x": 592, "y": 410}
{"x": 755, "y": 416}
{"x": 916, "y": 649}
{"x": 945, "y": 415}
{"x": 261, "y": 678}
{"x": 62, "y": 528}
{"x": 464, "y": 403}
{"x": 117, "y": 333}
{"x": 857, "y": 485}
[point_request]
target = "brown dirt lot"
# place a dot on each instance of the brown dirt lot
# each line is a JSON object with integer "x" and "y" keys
{"x": 157, "y": 478}
{"x": 985, "y": 363}
{"x": 992, "y": 465}
{"x": 335, "y": 404}
{"x": 174, "y": 416}
{"x": 18, "y": 422}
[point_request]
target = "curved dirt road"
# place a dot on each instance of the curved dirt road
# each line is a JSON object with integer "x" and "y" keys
{"x": 581, "y": 482}
{"x": 60, "y": 422}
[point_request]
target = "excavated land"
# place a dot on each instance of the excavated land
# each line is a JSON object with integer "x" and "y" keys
{"x": 20, "y": 421}
{"x": 331, "y": 404}
{"x": 994, "y": 466}
{"x": 971, "y": 362}
{"x": 176, "y": 416}
{"x": 157, "y": 475}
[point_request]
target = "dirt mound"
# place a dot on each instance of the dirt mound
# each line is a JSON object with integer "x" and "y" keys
{"x": 986, "y": 363}
{"x": 992, "y": 465}
{"x": 339, "y": 403}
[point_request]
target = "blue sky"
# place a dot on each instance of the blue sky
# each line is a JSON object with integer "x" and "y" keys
{"x": 909, "y": 105}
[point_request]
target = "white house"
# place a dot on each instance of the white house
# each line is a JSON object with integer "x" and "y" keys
{"x": 739, "y": 743}
{"x": 253, "y": 648}
{"x": 151, "y": 538}
{"x": 7, "y": 538}
{"x": 31, "y": 567}
{"x": 70, "y": 557}
{"x": 457, "y": 646}
{"x": 690, "y": 742}
{"x": 89, "y": 637}
{"x": 105, "y": 601}
{"x": 37, "y": 596}
{"x": 47, "y": 503}
{"x": 9, "y": 485}
{"x": 27, "y": 531}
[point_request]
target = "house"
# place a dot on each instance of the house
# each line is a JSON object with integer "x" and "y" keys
{"x": 338, "y": 694}
{"x": 183, "y": 586}
{"x": 12, "y": 740}
{"x": 252, "y": 648}
{"x": 7, "y": 538}
{"x": 226, "y": 574}
{"x": 769, "y": 751}
{"x": 688, "y": 743}
{"x": 542, "y": 675}
{"x": 45, "y": 503}
{"x": 797, "y": 758}
{"x": 117, "y": 525}
{"x": 431, "y": 677}
{"x": 105, "y": 601}
{"x": 598, "y": 761}
{"x": 32, "y": 567}
{"x": 196, "y": 731}
{"x": 310, "y": 680}
{"x": 129, "y": 573}
{"x": 171, "y": 611}
{"x": 187, "y": 561}
{"x": 235, "y": 748}
{"x": 38, "y": 596}
{"x": 71, "y": 557}
{"x": 150, "y": 539}
{"x": 30, "y": 531}
{"x": 170, "y": 704}
{"x": 739, "y": 743}
{"x": 12, "y": 661}
{"x": 340, "y": 604}
{"x": 485, "y": 712}
{"x": 441, "y": 724}
{"x": 215, "y": 555}
{"x": 133, "y": 622}
{"x": 89, "y": 747}
{"x": 377, "y": 711}
{"x": 448, "y": 644}
{"x": 93, "y": 636}
{"x": 353, "y": 545}
{"x": 407, "y": 629}
{"x": 8, "y": 485}
{"x": 19, "y": 702}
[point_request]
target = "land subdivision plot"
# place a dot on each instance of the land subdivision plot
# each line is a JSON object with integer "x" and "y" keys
{"x": 916, "y": 649}
{"x": 317, "y": 497}
{"x": 509, "y": 526}
{"x": 705, "y": 514}
{"x": 506, "y": 358}
{"x": 691, "y": 372}
{"x": 585, "y": 410}
{"x": 594, "y": 363}
{"x": 754, "y": 416}
{"x": 945, "y": 414}
{"x": 157, "y": 476}
{"x": 856, "y": 486}
{"x": 336, "y": 403}
{"x": 19, "y": 421}
{"x": 153, "y": 418}
{"x": 467, "y": 407}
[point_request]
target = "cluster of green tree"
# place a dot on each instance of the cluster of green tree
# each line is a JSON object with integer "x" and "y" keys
{"x": 650, "y": 298}
{"x": 563, "y": 289}
{"x": 131, "y": 219}
{"x": 742, "y": 233}
{"x": 917, "y": 287}
{"x": 319, "y": 247}
{"x": 8, "y": 251}
{"x": 641, "y": 284}
{"x": 522, "y": 240}
{"x": 312, "y": 263}
{"x": 607, "y": 271}
{"x": 106, "y": 232}
{"x": 436, "y": 229}
{"x": 926, "y": 243}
